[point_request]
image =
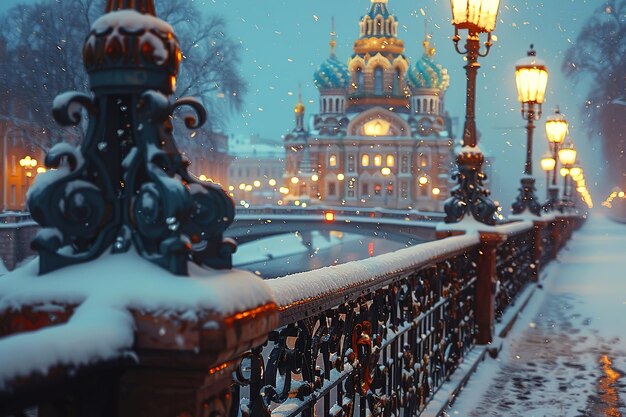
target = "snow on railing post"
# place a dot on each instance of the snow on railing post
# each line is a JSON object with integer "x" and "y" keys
{"x": 486, "y": 285}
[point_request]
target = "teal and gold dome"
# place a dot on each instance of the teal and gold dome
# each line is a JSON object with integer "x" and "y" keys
{"x": 426, "y": 73}
{"x": 332, "y": 74}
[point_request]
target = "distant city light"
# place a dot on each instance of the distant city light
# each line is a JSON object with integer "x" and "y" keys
{"x": 340, "y": 177}
{"x": 436, "y": 191}
{"x": 314, "y": 177}
{"x": 257, "y": 183}
{"x": 295, "y": 180}
{"x": 272, "y": 182}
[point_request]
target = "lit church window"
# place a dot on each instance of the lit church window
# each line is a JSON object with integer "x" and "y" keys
{"x": 365, "y": 160}
{"x": 378, "y": 160}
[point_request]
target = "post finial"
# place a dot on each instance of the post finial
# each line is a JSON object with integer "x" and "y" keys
{"x": 140, "y": 6}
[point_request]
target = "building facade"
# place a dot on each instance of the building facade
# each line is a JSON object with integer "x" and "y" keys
{"x": 381, "y": 135}
{"x": 256, "y": 171}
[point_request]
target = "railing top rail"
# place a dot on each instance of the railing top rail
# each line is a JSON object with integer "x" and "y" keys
{"x": 304, "y": 294}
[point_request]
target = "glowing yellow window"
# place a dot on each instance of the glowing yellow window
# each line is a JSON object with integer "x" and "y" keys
{"x": 365, "y": 160}
{"x": 390, "y": 160}
{"x": 378, "y": 160}
{"x": 332, "y": 161}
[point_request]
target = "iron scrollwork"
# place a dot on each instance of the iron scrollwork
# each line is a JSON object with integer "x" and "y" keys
{"x": 381, "y": 354}
{"x": 127, "y": 184}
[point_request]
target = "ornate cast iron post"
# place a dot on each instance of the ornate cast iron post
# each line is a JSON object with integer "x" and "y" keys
{"x": 127, "y": 184}
{"x": 468, "y": 197}
{"x": 531, "y": 77}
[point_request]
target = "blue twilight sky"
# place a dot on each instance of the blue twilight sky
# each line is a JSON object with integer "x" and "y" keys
{"x": 283, "y": 42}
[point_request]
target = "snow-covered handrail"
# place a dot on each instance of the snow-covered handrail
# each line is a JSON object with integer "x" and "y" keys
{"x": 306, "y": 293}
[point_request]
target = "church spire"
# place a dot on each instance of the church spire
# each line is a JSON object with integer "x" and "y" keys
{"x": 333, "y": 42}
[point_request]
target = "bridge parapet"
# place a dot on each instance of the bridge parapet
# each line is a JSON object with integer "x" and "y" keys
{"x": 378, "y": 335}
{"x": 384, "y": 333}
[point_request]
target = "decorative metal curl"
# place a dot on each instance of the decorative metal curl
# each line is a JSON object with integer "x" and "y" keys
{"x": 469, "y": 197}
{"x": 128, "y": 184}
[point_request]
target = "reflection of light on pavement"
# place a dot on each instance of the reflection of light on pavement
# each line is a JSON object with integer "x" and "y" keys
{"x": 370, "y": 249}
{"x": 606, "y": 389}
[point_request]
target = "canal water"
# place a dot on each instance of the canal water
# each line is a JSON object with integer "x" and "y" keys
{"x": 291, "y": 253}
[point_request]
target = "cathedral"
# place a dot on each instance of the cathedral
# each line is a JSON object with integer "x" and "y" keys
{"x": 381, "y": 136}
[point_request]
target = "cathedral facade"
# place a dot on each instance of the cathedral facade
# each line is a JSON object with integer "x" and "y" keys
{"x": 381, "y": 136}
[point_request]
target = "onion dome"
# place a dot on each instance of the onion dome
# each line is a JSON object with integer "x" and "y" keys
{"x": 332, "y": 74}
{"x": 129, "y": 45}
{"x": 426, "y": 73}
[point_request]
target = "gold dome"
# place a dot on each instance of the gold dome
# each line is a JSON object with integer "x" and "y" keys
{"x": 299, "y": 108}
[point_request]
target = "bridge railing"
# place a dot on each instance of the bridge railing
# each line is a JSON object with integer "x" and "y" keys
{"x": 380, "y": 333}
{"x": 378, "y": 336}
{"x": 386, "y": 332}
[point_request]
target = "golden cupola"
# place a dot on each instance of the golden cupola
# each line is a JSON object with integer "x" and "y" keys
{"x": 378, "y": 66}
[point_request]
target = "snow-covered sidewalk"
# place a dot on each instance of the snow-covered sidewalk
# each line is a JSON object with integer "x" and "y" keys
{"x": 566, "y": 356}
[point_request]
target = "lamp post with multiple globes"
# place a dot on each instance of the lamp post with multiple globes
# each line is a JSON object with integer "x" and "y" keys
{"x": 468, "y": 197}
{"x": 556, "y": 131}
{"x": 548, "y": 163}
{"x": 567, "y": 158}
{"x": 531, "y": 78}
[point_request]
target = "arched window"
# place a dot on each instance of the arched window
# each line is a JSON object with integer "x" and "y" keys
{"x": 359, "y": 78}
{"x": 378, "y": 80}
{"x": 378, "y": 160}
{"x": 418, "y": 109}
{"x": 431, "y": 105}
{"x": 424, "y": 105}
{"x": 337, "y": 109}
{"x": 365, "y": 160}
{"x": 332, "y": 160}
{"x": 390, "y": 160}
{"x": 396, "y": 83}
{"x": 330, "y": 105}
{"x": 324, "y": 106}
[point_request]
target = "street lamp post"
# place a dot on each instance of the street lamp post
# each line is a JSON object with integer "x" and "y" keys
{"x": 531, "y": 77}
{"x": 28, "y": 164}
{"x": 567, "y": 158}
{"x": 547, "y": 164}
{"x": 468, "y": 197}
{"x": 556, "y": 130}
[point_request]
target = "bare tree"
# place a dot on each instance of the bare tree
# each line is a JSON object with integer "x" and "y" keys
{"x": 599, "y": 55}
{"x": 43, "y": 56}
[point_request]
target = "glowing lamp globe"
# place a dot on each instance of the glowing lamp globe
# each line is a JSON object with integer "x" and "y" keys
{"x": 556, "y": 127}
{"x": 475, "y": 15}
{"x": 575, "y": 172}
{"x": 567, "y": 155}
{"x": 548, "y": 163}
{"x": 531, "y": 77}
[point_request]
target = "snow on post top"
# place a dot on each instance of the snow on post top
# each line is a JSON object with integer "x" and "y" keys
{"x": 141, "y": 6}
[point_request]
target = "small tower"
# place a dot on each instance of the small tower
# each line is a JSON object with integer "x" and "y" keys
{"x": 378, "y": 65}
{"x": 428, "y": 82}
{"x": 331, "y": 79}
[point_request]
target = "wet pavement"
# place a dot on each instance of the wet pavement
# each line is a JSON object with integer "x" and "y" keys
{"x": 566, "y": 356}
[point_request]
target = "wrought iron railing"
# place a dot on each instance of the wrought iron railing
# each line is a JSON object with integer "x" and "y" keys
{"x": 385, "y": 341}
{"x": 515, "y": 266}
